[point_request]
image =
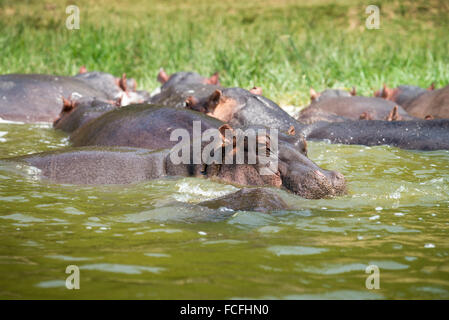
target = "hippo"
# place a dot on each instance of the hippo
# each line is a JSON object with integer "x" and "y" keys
{"x": 337, "y": 108}
{"x": 403, "y": 95}
{"x": 77, "y": 112}
{"x": 38, "y": 98}
{"x": 184, "y": 77}
{"x": 423, "y": 135}
{"x": 182, "y": 88}
{"x": 330, "y": 93}
{"x": 150, "y": 126}
{"x": 248, "y": 199}
{"x": 122, "y": 89}
{"x": 119, "y": 165}
{"x": 240, "y": 107}
{"x": 431, "y": 104}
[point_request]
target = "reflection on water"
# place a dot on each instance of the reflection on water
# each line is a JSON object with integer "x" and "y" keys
{"x": 151, "y": 240}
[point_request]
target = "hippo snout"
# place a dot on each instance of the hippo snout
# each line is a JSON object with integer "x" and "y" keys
{"x": 313, "y": 183}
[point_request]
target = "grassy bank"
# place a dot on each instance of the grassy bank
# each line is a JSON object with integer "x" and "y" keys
{"x": 283, "y": 46}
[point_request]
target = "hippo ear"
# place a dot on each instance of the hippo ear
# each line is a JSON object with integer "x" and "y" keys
{"x": 385, "y": 92}
{"x": 313, "y": 94}
{"x": 393, "y": 115}
{"x": 256, "y": 90}
{"x": 215, "y": 98}
{"x": 432, "y": 86}
{"x": 191, "y": 101}
{"x": 67, "y": 105}
{"x": 353, "y": 92}
{"x": 291, "y": 131}
{"x": 162, "y": 76}
{"x": 429, "y": 117}
{"x": 213, "y": 79}
{"x": 122, "y": 83}
{"x": 82, "y": 70}
{"x": 226, "y": 141}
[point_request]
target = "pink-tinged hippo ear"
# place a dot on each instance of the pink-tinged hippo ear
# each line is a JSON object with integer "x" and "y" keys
{"x": 122, "y": 83}
{"x": 365, "y": 116}
{"x": 215, "y": 98}
{"x": 256, "y": 90}
{"x": 291, "y": 131}
{"x": 353, "y": 91}
{"x": 191, "y": 101}
{"x": 393, "y": 115}
{"x": 222, "y": 129}
{"x": 313, "y": 94}
{"x": 429, "y": 117}
{"x": 162, "y": 76}
{"x": 67, "y": 105}
{"x": 82, "y": 70}
{"x": 213, "y": 79}
{"x": 432, "y": 86}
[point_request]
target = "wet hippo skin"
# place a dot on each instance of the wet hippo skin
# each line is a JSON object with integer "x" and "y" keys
{"x": 37, "y": 97}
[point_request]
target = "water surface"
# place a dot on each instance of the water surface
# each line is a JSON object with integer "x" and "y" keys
{"x": 151, "y": 240}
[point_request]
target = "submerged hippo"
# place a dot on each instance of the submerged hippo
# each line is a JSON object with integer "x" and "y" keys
{"x": 240, "y": 107}
{"x": 431, "y": 104}
{"x": 249, "y": 199}
{"x": 182, "y": 88}
{"x": 93, "y": 165}
{"x": 150, "y": 126}
{"x": 122, "y": 89}
{"x": 38, "y": 98}
{"x": 403, "y": 95}
{"x": 415, "y": 134}
{"x": 184, "y": 77}
{"x": 77, "y": 112}
{"x": 334, "y": 108}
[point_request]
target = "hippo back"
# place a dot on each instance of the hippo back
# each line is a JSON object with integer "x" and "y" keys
{"x": 431, "y": 103}
{"x": 36, "y": 97}
{"x": 351, "y": 108}
{"x": 144, "y": 126}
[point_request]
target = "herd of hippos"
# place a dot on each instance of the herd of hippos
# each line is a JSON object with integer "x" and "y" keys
{"x": 121, "y": 135}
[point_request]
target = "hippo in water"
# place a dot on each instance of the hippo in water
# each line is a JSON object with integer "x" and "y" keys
{"x": 77, "y": 112}
{"x": 340, "y": 105}
{"x": 151, "y": 127}
{"x": 122, "y": 89}
{"x": 403, "y": 95}
{"x": 106, "y": 165}
{"x": 431, "y": 104}
{"x": 240, "y": 107}
{"x": 38, "y": 98}
{"x": 415, "y": 134}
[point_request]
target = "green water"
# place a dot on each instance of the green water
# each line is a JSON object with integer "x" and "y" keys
{"x": 150, "y": 240}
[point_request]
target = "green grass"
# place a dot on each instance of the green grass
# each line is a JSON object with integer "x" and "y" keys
{"x": 283, "y": 46}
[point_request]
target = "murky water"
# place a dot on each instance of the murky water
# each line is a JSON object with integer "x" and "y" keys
{"x": 152, "y": 241}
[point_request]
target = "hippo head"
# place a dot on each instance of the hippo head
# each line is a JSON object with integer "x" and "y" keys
{"x": 330, "y": 93}
{"x": 185, "y": 78}
{"x": 286, "y": 167}
{"x": 403, "y": 95}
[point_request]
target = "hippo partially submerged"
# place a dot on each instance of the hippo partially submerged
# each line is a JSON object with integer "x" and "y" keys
{"x": 431, "y": 104}
{"x": 149, "y": 126}
{"x": 93, "y": 165}
{"x": 416, "y": 134}
{"x": 38, "y": 98}
{"x": 336, "y": 108}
